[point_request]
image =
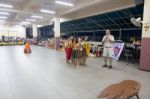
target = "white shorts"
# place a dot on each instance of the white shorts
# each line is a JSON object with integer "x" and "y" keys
{"x": 107, "y": 52}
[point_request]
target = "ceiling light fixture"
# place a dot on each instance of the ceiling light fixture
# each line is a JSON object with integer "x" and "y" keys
{"x": 2, "y": 20}
{"x": 4, "y": 13}
{"x": 39, "y": 17}
{"x": 39, "y": 26}
{"x": 2, "y": 17}
{"x": 30, "y": 20}
{"x": 64, "y": 3}
{"x": 24, "y": 22}
{"x": 48, "y": 11}
{"x": 6, "y": 5}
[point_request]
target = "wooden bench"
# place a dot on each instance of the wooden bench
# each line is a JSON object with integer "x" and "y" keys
{"x": 123, "y": 90}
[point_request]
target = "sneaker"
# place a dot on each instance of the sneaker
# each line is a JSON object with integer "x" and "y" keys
{"x": 105, "y": 66}
{"x": 110, "y": 67}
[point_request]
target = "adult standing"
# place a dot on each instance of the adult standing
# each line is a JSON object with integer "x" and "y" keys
{"x": 107, "y": 42}
{"x": 3, "y": 38}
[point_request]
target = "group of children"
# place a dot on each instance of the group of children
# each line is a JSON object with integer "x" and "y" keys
{"x": 77, "y": 50}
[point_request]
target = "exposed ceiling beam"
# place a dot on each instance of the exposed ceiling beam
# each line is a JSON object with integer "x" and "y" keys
{"x": 84, "y": 5}
{"x": 100, "y": 8}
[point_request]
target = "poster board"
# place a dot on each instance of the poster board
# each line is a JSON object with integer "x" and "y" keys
{"x": 117, "y": 49}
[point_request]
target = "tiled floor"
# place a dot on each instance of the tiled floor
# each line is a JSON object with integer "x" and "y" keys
{"x": 45, "y": 75}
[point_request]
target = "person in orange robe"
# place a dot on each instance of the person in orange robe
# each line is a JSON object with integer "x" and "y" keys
{"x": 27, "y": 48}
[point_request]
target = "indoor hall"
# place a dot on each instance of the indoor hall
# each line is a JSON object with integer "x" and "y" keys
{"x": 74, "y": 49}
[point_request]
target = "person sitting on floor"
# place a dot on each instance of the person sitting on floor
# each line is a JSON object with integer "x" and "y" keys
{"x": 27, "y": 48}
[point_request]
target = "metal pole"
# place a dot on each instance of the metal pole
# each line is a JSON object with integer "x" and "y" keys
{"x": 120, "y": 34}
{"x": 94, "y": 37}
{"x": 74, "y": 35}
{"x": 105, "y": 30}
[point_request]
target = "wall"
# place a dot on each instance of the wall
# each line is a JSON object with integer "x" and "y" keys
{"x": 13, "y": 31}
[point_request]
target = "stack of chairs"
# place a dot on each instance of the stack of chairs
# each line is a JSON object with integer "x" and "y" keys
{"x": 132, "y": 53}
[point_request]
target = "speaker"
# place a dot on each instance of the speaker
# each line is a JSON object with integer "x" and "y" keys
{"x": 137, "y": 2}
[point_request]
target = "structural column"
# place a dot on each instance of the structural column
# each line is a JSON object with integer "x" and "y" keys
{"x": 57, "y": 32}
{"x": 35, "y": 31}
{"x": 21, "y": 31}
{"x": 145, "y": 44}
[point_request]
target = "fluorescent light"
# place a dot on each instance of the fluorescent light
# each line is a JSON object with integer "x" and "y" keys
{"x": 39, "y": 17}
{"x": 6, "y": 5}
{"x": 4, "y": 13}
{"x": 30, "y": 20}
{"x": 48, "y": 11}
{"x": 24, "y": 22}
{"x": 2, "y": 20}
{"x": 2, "y": 17}
{"x": 64, "y": 3}
{"x": 39, "y": 25}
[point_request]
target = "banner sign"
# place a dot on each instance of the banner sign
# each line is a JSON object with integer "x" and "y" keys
{"x": 117, "y": 49}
